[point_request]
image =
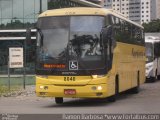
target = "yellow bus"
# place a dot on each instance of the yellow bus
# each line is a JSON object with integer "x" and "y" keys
{"x": 88, "y": 53}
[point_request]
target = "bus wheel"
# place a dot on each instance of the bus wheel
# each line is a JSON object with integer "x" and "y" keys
{"x": 156, "y": 76}
{"x": 135, "y": 90}
{"x": 59, "y": 100}
{"x": 114, "y": 97}
{"x": 153, "y": 79}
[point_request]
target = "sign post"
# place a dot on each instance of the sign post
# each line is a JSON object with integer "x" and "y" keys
{"x": 15, "y": 61}
{"x": 9, "y": 84}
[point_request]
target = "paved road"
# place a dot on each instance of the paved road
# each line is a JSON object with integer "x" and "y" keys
{"x": 147, "y": 101}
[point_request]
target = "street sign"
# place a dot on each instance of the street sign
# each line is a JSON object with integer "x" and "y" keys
{"x": 15, "y": 57}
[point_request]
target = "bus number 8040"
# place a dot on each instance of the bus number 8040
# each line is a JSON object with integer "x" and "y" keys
{"x": 69, "y": 78}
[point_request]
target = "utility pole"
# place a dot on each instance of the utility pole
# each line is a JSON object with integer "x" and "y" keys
{"x": 40, "y": 7}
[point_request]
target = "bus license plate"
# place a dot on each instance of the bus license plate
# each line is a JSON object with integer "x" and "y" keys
{"x": 69, "y": 91}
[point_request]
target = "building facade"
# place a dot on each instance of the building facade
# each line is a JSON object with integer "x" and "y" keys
{"x": 145, "y": 11}
{"x": 15, "y": 17}
{"x": 135, "y": 10}
{"x": 140, "y": 11}
{"x": 121, "y": 6}
{"x": 155, "y": 9}
{"x": 16, "y": 14}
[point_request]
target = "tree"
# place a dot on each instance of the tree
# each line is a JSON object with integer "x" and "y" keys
{"x": 153, "y": 26}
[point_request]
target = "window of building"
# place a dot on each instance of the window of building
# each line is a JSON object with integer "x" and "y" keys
{"x": 6, "y": 9}
{"x": 18, "y": 11}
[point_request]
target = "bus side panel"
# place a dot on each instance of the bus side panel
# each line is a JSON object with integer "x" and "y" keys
{"x": 130, "y": 60}
{"x": 158, "y": 67}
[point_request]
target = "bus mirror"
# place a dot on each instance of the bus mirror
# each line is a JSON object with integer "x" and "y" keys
{"x": 106, "y": 33}
{"x": 104, "y": 36}
{"x": 28, "y": 34}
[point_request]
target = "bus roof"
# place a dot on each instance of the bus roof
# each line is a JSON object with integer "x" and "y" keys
{"x": 152, "y": 39}
{"x": 75, "y": 11}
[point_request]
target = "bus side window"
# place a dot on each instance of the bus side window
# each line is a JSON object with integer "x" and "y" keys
{"x": 108, "y": 20}
{"x": 157, "y": 49}
{"x": 138, "y": 35}
{"x": 107, "y": 45}
{"x": 117, "y": 30}
{"x": 109, "y": 39}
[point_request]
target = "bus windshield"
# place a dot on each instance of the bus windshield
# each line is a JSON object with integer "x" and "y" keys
{"x": 75, "y": 38}
{"x": 149, "y": 52}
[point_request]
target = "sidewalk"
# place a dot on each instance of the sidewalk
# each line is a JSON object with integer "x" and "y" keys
{"x": 29, "y": 91}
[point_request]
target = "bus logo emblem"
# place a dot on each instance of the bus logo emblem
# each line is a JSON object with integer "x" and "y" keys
{"x": 73, "y": 65}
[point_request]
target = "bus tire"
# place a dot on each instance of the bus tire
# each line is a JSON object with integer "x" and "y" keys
{"x": 114, "y": 97}
{"x": 156, "y": 76}
{"x": 153, "y": 79}
{"x": 135, "y": 90}
{"x": 59, "y": 100}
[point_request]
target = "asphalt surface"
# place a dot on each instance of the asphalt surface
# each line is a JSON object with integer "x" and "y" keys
{"x": 147, "y": 101}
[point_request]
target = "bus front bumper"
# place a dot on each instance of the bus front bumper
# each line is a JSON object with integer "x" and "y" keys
{"x": 87, "y": 91}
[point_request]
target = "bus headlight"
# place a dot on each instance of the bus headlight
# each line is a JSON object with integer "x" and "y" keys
{"x": 99, "y": 88}
{"x": 97, "y": 76}
{"x": 41, "y": 87}
{"x": 96, "y": 88}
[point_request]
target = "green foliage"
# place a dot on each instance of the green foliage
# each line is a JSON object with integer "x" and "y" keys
{"x": 16, "y": 24}
{"x": 153, "y": 26}
{"x": 4, "y": 90}
{"x": 17, "y": 81}
{"x": 16, "y": 84}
